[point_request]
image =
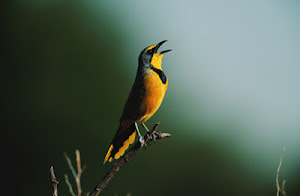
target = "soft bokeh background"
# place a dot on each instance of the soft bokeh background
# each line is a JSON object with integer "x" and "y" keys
{"x": 233, "y": 100}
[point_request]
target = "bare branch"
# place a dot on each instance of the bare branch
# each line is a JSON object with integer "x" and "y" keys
{"x": 77, "y": 175}
{"x": 282, "y": 189}
{"x": 70, "y": 165}
{"x": 79, "y": 172}
{"x": 277, "y": 176}
{"x": 69, "y": 185}
{"x": 78, "y": 161}
{"x": 54, "y": 182}
{"x": 150, "y": 136}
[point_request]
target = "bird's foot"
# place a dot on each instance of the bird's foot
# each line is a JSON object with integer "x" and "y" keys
{"x": 142, "y": 141}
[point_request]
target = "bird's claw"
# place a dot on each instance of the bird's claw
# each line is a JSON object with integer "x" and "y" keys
{"x": 142, "y": 141}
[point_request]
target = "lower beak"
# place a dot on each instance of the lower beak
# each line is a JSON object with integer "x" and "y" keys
{"x": 165, "y": 51}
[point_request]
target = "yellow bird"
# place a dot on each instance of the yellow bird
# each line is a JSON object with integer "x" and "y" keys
{"x": 146, "y": 96}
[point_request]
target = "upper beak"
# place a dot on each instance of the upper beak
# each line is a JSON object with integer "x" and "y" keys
{"x": 158, "y": 45}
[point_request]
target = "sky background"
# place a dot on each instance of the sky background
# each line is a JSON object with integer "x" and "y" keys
{"x": 237, "y": 61}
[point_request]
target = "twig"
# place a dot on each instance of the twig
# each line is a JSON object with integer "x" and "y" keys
{"x": 150, "y": 136}
{"x": 54, "y": 182}
{"x": 277, "y": 176}
{"x": 79, "y": 172}
{"x": 282, "y": 190}
{"x": 70, "y": 165}
{"x": 77, "y": 175}
{"x": 69, "y": 185}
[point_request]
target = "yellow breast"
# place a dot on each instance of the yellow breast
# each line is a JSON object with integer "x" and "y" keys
{"x": 154, "y": 93}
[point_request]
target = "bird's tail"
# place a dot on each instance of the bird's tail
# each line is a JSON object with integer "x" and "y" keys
{"x": 124, "y": 136}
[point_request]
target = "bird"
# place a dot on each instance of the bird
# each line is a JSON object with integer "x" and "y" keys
{"x": 145, "y": 97}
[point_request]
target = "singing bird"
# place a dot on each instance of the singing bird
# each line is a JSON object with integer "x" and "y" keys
{"x": 145, "y": 97}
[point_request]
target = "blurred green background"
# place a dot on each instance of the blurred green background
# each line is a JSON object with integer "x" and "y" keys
{"x": 233, "y": 100}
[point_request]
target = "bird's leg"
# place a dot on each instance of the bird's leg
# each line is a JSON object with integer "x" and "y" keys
{"x": 141, "y": 138}
{"x": 145, "y": 127}
{"x": 137, "y": 129}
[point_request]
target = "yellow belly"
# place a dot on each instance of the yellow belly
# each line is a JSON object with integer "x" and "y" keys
{"x": 154, "y": 94}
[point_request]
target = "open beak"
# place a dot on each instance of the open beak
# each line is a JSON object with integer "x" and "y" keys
{"x": 158, "y": 45}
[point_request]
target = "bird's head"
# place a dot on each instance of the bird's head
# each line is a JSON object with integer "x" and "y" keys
{"x": 151, "y": 57}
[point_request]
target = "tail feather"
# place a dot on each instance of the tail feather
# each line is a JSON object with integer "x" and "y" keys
{"x": 123, "y": 138}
